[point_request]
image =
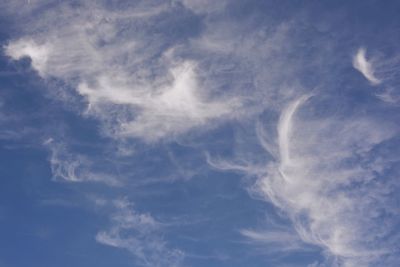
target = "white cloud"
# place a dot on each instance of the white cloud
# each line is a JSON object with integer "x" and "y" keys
{"x": 361, "y": 63}
{"x": 321, "y": 190}
{"x": 285, "y": 130}
{"x": 73, "y": 167}
{"x": 140, "y": 234}
{"x": 116, "y": 70}
{"x": 141, "y": 84}
{"x": 319, "y": 178}
{"x": 173, "y": 110}
{"x": 28, "y": 48}
{"x": 275, "y": 240}
{"x": 147, "y": 86}
{"x": 383, "y": 67}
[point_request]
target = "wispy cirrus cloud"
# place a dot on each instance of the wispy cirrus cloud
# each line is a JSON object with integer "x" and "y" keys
{"x": 275, "y": 240}
{"x": 73, "y": 167}
{"x": 145, "y": 76}
{"x": 141, "y": 235}
{"x": 387, "y": 70}
{"x": 155, "y": 86}
{"x": 363, "y": 65}
{"x": 325, "y": 178}
{"x": 132, "y": 82}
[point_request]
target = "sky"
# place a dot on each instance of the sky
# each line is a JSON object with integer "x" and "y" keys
{"x": 199, "y": 133}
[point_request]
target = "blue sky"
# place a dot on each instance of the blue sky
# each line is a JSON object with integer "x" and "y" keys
{"x": 192, "y": 133}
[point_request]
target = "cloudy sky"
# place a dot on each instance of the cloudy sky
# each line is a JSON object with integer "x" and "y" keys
{"x": 193, "y": 133}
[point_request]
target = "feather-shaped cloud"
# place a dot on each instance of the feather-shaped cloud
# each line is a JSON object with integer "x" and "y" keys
{"x": 361, "y": 63}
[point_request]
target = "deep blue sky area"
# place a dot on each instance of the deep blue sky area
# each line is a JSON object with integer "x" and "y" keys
{"x": 199, "y": 133}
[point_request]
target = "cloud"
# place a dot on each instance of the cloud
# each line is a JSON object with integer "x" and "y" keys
{"x": 204, "y": 6}
{"x": 28, "y": 48}
{"x": 276, "y": 240}
{"x": 174, "y": 110}
{"x": 386, "y": 68}
{"x": 322, "y": 186}
{"x": 285, "y": 129}
{"x": 143, "y": 80}
{"x": 153, "y": 71}
{"x": 361, "y": 63}
{"x": 389, "y": 95}
{"x": 74, "y": 167}
{"x": 328, "y": 181}
{"x": 141, "y": 235}
{"x": 132, "y": 80}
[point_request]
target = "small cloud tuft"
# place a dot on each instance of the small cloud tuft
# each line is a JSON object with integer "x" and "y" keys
{"x": 361, "y": 63}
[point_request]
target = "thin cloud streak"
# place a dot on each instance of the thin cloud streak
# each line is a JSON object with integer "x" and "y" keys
{"x": 276, "y": 240}
{"x": 141, "y": 235}
{"x": 285, "y": 129}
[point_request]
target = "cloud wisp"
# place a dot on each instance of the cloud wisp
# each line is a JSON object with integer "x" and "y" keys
{"x": 321, "y": 179}
{"x": 276, "y": 240}
{"x": 386, "y": 70}
{"x": 363, "y": 65}
{"x": 75, "y": 168}
{"x": 141, "y": 235}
